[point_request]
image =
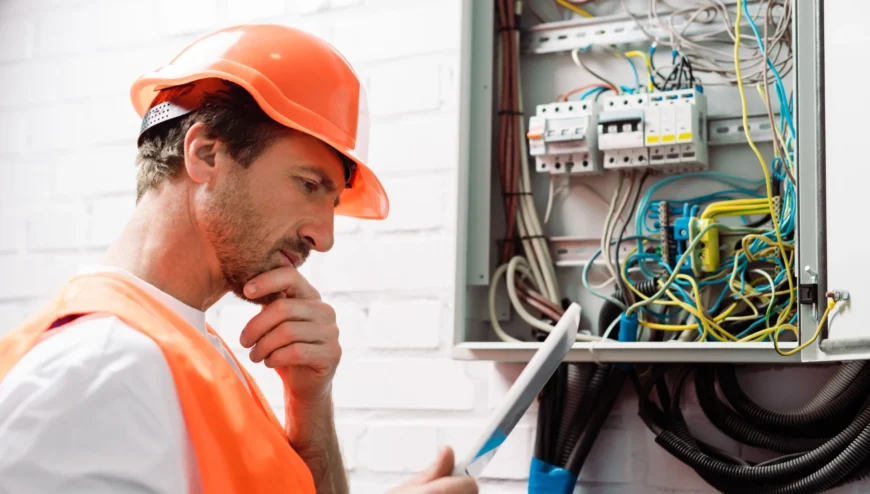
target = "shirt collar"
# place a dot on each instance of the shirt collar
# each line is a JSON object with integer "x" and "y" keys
{"x": 194, "y": 317}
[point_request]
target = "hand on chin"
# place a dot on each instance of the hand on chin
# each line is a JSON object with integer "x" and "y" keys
{"x": 295, "y": 333}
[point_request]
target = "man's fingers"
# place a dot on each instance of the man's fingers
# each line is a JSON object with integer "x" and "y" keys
{"x": 305, "y": 354}
{"x": 442, "y": 466}
{"x": 287, "y": 309}
{"x": 285, "y": 279}
{"x": 286, "y": 333}
{"x": 450, "y": 485}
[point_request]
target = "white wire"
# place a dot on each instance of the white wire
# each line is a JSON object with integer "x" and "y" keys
{"x": 708, "y": 58}
{"x": 557, "y": 190}
{"x": 613, "y": 324}
{"x": 771, "y": 284}
{"x": 610, "y": 280}
{"x": 515, "y": 264}
{"x": 550, "y": 198}
{"x": 605, "y": 248}
{"x": 612, "y": 229}
{"x": 527, "y": 208}
{"x": 493, "y": 317}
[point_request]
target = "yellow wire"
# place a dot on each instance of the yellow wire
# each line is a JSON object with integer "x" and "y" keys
{"x": 623, "y": 271}
{"x": 705, "y": 321}
{"x": 574, "y": 8}
{"x": 831, "y": 305}
{"x": 774, "y": 216}
{"x": 684, "y": 327}
{"x": 646, "y": 63}
{"x": 736, "y": 212}
{"x": 761, "y": 334}
{"x": 734, "y": 206}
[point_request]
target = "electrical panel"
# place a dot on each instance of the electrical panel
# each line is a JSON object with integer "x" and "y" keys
{"x": 562, "y": 138}
{"x": 672, "y": 147}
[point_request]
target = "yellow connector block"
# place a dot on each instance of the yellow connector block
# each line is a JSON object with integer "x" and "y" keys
{"x": 705, "y": 258}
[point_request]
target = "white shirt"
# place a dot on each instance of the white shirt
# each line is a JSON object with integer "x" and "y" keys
{"x": 93, "y": 409}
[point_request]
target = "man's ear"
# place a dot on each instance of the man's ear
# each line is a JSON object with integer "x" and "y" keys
{"x": 199, "y": 153}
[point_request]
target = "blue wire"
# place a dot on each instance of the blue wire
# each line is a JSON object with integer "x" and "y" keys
{"x": 634, "y": 69}
{"x": 732, "y": 180}
{"x": 592, "y": 91}
{"x": 780, "y": 87}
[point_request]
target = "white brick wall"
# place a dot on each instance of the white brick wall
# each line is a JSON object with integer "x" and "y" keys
{"x": 67, "y": 136}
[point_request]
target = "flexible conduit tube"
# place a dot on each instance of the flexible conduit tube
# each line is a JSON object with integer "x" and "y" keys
{"x": 789, "y": 470}
{"x": 578, "y": 384}
{"x": 581, "y": 417}
{"x": 739, "y": 429}
{"x": 580, "y": 451}
{"x": 827, "y": 412}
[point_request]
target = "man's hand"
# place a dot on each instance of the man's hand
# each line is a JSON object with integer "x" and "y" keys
{"x": 296, "y": 335}
{"x": 438, "y": 480}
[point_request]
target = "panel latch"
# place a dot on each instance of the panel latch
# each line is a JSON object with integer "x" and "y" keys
{"x": 808, "y": 293}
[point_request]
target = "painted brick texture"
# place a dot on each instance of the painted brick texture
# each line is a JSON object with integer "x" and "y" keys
{"x": 67, "y": 134}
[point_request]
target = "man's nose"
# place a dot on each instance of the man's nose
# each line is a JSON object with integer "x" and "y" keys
{"x": 319, "y": 233}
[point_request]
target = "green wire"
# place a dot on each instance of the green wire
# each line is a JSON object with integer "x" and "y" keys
{"x": 682, "y": 260}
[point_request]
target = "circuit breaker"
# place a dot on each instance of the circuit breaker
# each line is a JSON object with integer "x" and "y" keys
{"x": 675, "y": 129}
{"x": 621, "y": 131}
{"x": 562, "y": 138}
{"x": 664, "y": 130}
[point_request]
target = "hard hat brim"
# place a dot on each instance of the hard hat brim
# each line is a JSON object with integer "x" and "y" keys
{"x": 366, "y": 197}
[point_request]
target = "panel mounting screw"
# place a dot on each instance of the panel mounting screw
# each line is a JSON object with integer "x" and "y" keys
{"x": 838, "y": 295}
{"x": 813, "y": 274}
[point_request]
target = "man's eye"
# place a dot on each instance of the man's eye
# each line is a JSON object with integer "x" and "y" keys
{"x": 309, "y": 185}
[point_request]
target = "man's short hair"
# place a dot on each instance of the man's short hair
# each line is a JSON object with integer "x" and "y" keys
{"x": 231, "y": 115}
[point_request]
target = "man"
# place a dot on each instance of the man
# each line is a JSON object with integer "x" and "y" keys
{"x": 252, "y": 139}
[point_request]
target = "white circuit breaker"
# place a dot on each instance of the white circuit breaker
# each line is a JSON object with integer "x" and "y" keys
{"x": 665, "y": 131}
{"x": 621, "y": 131}
{"x": 676, "y": 131}
{"x": 562, "y": 137}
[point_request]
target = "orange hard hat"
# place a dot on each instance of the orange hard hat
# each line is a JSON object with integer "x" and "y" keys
{"x": 299, "y": 80}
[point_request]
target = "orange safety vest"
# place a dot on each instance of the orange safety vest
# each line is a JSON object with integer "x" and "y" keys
{"x": 240, "y": 445}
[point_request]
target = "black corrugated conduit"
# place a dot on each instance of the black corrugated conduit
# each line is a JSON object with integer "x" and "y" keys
{"x": 576, "y": 392}
{"x": 836, "y": 459}
{"x": 830, "y": 410}
{"x": 734, "y": 425}
{"x": 577, "y": 423}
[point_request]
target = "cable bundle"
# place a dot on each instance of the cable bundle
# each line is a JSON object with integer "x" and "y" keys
{"x": 573, "y": 408}
{"x": 826, "y": 442}
{"x": 749, "y": 294}
{"x": 705, "y": 52}
{"x": 530, "y": 276}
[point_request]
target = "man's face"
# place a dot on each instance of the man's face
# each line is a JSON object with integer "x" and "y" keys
{"x": 276, "y": 211}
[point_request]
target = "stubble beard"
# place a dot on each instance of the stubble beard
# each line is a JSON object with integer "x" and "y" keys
{"x": 238, "y": 234}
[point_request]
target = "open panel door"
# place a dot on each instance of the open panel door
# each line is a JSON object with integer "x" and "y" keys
{"x": 833, "y": 176}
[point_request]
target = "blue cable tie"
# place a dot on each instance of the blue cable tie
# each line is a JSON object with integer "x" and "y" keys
{"x": 545, "y": 478}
